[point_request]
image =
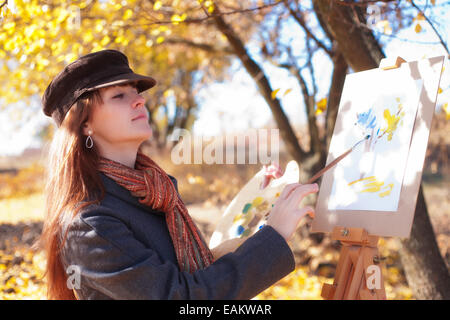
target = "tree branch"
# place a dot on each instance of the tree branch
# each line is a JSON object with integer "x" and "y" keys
{"x": 432, "y": 26}
{"x": 202, "y": 46}
{"x": 215, "y": 13}
{"x": 301, "y": 22}
{"x": 257, "y": 73}
{"x": 3, "y": 4}
{"x": 360, "y": 3}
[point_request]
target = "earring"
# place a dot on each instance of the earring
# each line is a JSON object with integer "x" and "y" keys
{"x": 89, "y": 142}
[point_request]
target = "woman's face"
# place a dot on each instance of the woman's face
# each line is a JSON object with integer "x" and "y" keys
{"x": 121, "y": 119}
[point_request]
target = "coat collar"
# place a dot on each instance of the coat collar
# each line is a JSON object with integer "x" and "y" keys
{"x": 116, "y": 190}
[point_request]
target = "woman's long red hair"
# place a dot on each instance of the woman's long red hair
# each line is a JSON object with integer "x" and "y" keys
{"x": 72, "y": 177}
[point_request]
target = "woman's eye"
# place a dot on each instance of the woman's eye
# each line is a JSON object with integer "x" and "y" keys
{"x": 118, "y": 96}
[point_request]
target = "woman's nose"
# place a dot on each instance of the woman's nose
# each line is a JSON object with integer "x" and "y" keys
{"x": 138, "y": 101}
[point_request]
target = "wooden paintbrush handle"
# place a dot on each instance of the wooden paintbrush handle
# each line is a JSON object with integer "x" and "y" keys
{"x": 332, "y": 164}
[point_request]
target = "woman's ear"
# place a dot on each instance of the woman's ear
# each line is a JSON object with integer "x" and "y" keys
{"x": 87, "y": 131}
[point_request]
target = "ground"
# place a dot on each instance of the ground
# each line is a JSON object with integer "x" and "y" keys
{"x": 21, "y": 266}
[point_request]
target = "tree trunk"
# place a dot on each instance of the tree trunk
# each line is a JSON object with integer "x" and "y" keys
{"x": 425, "y": 269}
{"x": 419, "y": 252}
{"x": 358, "y": 46}
{"x": 337, "y": 84}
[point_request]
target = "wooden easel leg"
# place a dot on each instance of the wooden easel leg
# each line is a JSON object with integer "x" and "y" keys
{"x": 344, "y": 273}
{"x": 336, "y": 290}
{"x": 358, "y": 276}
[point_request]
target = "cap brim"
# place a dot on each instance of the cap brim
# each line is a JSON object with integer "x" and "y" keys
{"x": 143, "y": 82}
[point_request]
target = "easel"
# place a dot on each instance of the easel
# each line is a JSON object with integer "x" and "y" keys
{"x": 359, "y": 255}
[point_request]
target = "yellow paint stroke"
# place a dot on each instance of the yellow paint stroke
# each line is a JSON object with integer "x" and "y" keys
{"x": 391, "y": 123}
{"x": 257, "y": 201}
{"x": 372, "y": 178}
{"x": 372, "y": 185}
{"x": 388, "y": 192}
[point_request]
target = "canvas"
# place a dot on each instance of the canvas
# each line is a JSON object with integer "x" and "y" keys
{"x": 376, "y": 186}
{"x": 371, "y": 176}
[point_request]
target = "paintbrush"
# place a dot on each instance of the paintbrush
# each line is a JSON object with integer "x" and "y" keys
{"x": 335, "y": 161}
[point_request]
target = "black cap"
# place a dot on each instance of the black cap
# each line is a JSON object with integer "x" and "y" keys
{"x": 87, "y": 73}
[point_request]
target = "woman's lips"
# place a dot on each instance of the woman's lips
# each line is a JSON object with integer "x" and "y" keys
{"x": 142, "y": 116}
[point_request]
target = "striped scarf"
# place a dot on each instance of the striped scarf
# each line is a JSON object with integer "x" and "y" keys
{"x": 153, "y": 187}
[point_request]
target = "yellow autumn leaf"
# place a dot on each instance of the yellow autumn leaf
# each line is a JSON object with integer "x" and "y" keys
{"x": 157, "y": 5}
{"x": 127, "y": 14}
{"x": 9, "y": 25}
{"x": 321, "y": 105}
{"x": 177, "y": 18}
{"x": 446, "y": 109}
{"x": 274, "y": 93}
{"x": 439, "y": 90}
{"x": 420, "y": 16}
{"x": 99, "y": 27}
{"x": 167, "y": 93}
{"x": 287, "y": 91}
{"x": 105, "y": 41}
{"x": 88, "y": 36}
{"x": 117, "y": 6}
{"x": 160, "y": 39}
{"x": 418, "y": 28}
{"x": 119, "y": 39}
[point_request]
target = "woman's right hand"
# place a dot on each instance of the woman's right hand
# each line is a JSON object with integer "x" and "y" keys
{"x": 286, "y": 214}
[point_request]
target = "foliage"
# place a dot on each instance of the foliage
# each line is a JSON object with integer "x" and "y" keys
{"x": 27, "y": 181}
{"x": 37, "y": 39}
{"x": 21, "y": 274}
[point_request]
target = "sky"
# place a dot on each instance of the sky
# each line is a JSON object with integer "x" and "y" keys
{"x": 236, "y": 105}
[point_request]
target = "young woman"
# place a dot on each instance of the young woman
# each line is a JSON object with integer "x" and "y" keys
{"x": 116, "y": 227}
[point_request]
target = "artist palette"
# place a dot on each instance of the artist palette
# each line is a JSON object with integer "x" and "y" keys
{"x": 249, "y": 209}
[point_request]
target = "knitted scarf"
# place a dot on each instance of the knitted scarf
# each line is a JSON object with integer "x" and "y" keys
{"x": 153, "y": 187}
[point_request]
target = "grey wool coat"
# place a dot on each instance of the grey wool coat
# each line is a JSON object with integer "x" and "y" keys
{"x": 121, "y": 249}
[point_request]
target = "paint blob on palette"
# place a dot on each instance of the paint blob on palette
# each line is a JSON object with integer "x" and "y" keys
{"x": 253, "y": 216}
{"x": 250, "y": 208}
{"x": 371, "y": 177}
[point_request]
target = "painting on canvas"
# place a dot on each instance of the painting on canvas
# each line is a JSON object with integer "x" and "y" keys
{"x": 370, "y": 178}
{"x": 376, "y": 186}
